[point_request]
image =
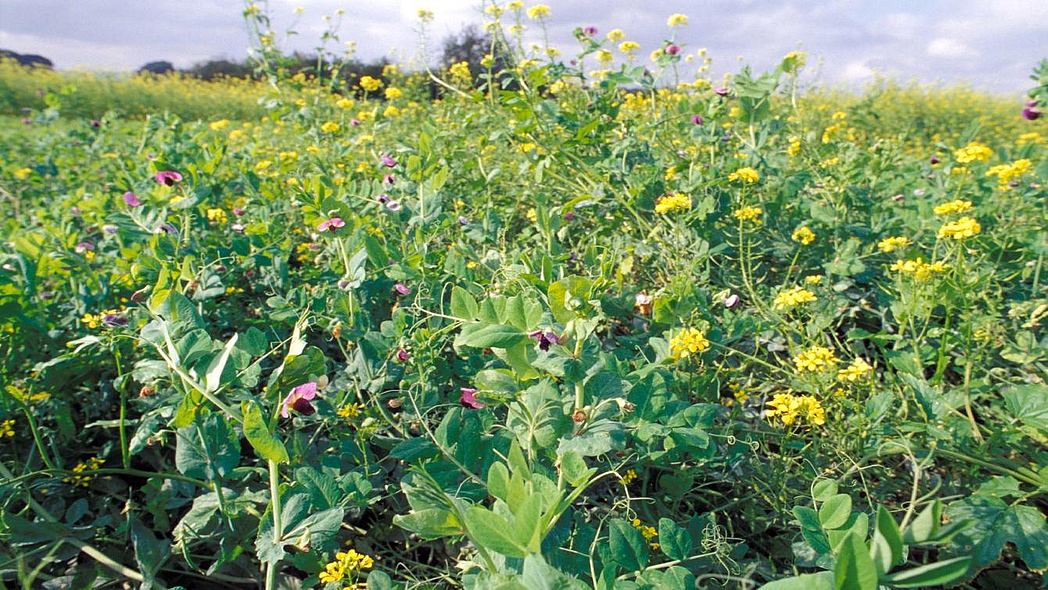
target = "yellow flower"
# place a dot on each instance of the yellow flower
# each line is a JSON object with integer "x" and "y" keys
{"x": 370, "y": 84}
{"x": 964, "y": 227}
{"x": 7, "y": 429}
{"x": 795, "y": 146}
{"x": 83, "y": 480}
{"x": 393, "y": 93}
{"x": 424, "y": 16}
{"x": 972, "y": 152}
{"x": 460, "y": 70}
{"x": 957, "y": 206}
{"x": 803, "y": 235}
{"x": 788, "y": 408}
{"x": 793, "y": 297}
{"x": 688, "y": 342}
{"x": 615, "y": 35}
{"x": 918, "y": 267}
{"x": 604, "y": 56}
{"x": 217, "y": 216}
{"x": 539, "y": 11}
{"x": 350, "y": 410}
{"x": 531, "y": 214}
{"x": 891, "y": 244}
{"x": 219, "y": 125}
{"x": 812, "y": 279}
{"x": 746, "y": 174}
{"x": 677, "y": 20}
{"x": 1006, "y": 173}
{"x": 672, "y": 203}
{"x": 627, "y": 478}
{"x": 21, "y": 173}
{"x": 748, "y": 213}
{"x": 329, "y": 127}
{"x": 391, "y": 111}
{"x": 858, "y": 369}
{"x": 815, "y": 359}
{"x": 628, "y": 47}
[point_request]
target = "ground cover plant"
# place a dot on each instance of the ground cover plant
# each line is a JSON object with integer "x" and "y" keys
{"x": 568, "y": 325}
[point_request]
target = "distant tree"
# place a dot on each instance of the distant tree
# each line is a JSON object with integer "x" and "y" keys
{"x": 29, "y": 60}
{"x": 471, "y": 45}
{"x": 157, "y": 67}
{"x": 212, "y": 68}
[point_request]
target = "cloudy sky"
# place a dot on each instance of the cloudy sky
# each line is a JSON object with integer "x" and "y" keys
{"x": 991, "y": 44}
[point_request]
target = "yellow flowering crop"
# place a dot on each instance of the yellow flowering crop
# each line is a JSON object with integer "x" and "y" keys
{"x": 370, "y": 84}
{"x": 677, "y": 20}
{"x": 956, "y": 206}
{"x": 858, "y": 369}
{"x": 688, "y": 342}
{"x": 748, "y": 213}
{"x": 972, "y": 152}
{"x": 964, "y": 227}
{"x": 789, "y": 408}
{"x": 672, "y": 203}
{"x": 891, "y": 244}
{"x": 815, "y": 359}
{"x": 793, "y": 297}
{"x": 628, "y": 47}
{"x": 745, "y": 174}
{"x": 539, "y": 11}
{"x": 803, "y": 235}
{"x": 918, "y": 267}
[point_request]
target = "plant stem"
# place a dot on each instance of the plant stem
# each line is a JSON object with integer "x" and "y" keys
{"x": 278, "y": 525}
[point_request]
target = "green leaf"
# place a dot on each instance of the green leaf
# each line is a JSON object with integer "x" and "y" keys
{"x": 819, "y": 581}
{"x": 527, "y": 523}
{"x": 256, "y": 430}
{"x": 573, "y": 466}
{"x": 934, "y": 574}
{"x": 463, "y": 305}
{"x": 1029, "y": 404}
{"x": 854, "y": 569}
{"x": 207, "y": 449}
{"x": 213, "y": 377}
{"x": 538, "y": 575}
{"x": 628, "y": 547}
{"x": 429, "y": 524}
{"x": 150, "y": 553}
{"x": 378, "y": 580}
{"x": 498, "y": 481}
{"x": 925, "y": 526}
{"x": 998, "y": 523}
{"x": 886, "y": 550}
{"x": 834, "y": 512}
{"x": 491, "y": 531}
{"x": 674, "y": 540}
{"x": 489, "y": 336}
{"x": 824, "y": 489}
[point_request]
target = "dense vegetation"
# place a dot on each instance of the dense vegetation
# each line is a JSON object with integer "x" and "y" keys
{"x": 558, "y": 328}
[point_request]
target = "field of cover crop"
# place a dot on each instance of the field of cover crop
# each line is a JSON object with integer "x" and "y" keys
{"x": 557, "y": 328}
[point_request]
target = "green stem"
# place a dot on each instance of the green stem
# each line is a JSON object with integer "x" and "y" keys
{"x": 278, "y": 525}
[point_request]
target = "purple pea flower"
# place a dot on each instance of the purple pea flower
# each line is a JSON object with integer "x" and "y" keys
{"x": 84, "y": 247}
{"x": 114, "y": 320}
{"x": 383, "y": 198}
{"x": 544, "y": 339}
{"x": 168, "y": 177}
{"x": 1031, "y": 113}
{"x": 468, "y": 399}
{"x": 238, "y": 227}
{"x": 298, "y": 400}
{"x": 697, "y": 120}
{"x": 131, "y": 199}
{"x": 331, "y": 224}
{"x": 27, "y": 121}
{"x": 402, "y": 289}
{"x": 590, "y": 31}
{"x": 933, "y": 161}
{"x": 110, "y": 228}
{"x": 570, "y": 215}
{"x": 721, "y": 91}
{"x": 354, "y": 122}
{"x": 393, "y": 205}
{"x": 96, "y": 123}
{"x": 389, "y": 179}
{"x": 462, "y": 220}
{"x": 402, "y": 355}
{"x": 731, "y": 301}
{"x": 167, "y": 228}
{"x": 388, "y": 161}
{"x": 238, "y": 211}
{"x": 672, "y": 49}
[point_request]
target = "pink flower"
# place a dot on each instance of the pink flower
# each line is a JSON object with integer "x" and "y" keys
{"x": 591, "y": 31}
{"x": 168, "y": 177}
{"x": 402, "y": 355}
{"x": 696, "y": 119}
{"x": 84, "y": 247}
{"x": 468, "y": 399}
{"x": 331, "y": 224}
{"x": 731, "y": 301}
{"x": 721, "y": 91}
{"x": 298, "y": 400}
{"x": 388, "y": 161}
{"x": 544, "y": 339}
{"x": 672, "y": 49}
{"x": 402, "y": 289}
{"x": 131, "y": 199}
{"x": 1031, "y": 113}
{"x": 389, "y": 179}
{"x": 354, "y": 122}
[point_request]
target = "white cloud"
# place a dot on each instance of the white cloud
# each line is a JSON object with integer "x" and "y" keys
{"x": 948, "y": 48}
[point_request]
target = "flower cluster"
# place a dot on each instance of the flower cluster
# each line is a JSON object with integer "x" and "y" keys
{"x": 746, "y": 174}
{"x": 857, "y": 370}
{"x": 1007, "y": 173}
{"x": 7, "y": 429}
{"x": 792, "y": 297}
{"x": 688, "y": 342}
{"x": 815, "y": 359}
{"x": 344, "y": 565}
{"x": 748, "y": 213}
{"x": 629, "y": 476}
{"x": 918, "y": 267}
{"x": 672, "y": 203}
{"x": 217, "y": 216}
{"x": 956, "y": 206}
{"x": 83, "y": 480}
{"x": 648, "y": 532}
{"x": 110, "y": 318}
{"x": 370, "y": 84}
{"x": 789, "y": 408}
{"x": 964, "y": 227}
{"x": 891, "y": 244}
{"x": 972, "y": 152}
{"x": 803, "y": 235}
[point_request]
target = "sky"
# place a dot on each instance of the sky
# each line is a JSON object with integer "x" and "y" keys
{"x": 991, "y": 45}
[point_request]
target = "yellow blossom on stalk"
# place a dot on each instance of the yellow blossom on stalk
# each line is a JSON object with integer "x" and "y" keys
{"x": 972, "y": 152}
{"x": 390, "y": 111}
{"x": 956, "y": 206}
{"x": 745, "y": 174}
{"x": 812, "y": 279}
{"x": 918, "y": 267}
{"x": 219, "y": 125}
{"x": 217, "y": 216}
{"x": 615, "y": 35}
{"x": 370, "y": 84}
{"x": 7, "y": 429}
{"x": 627, "y": 478}
{"x": 803, "y": 235}
{"x": 964, "y": 227}
{"x": 815, "y": 359}
{"x": 21, "y": 173}
{"x": 891, "y": 244}
{"x": 288, "y": 156}
{"x": 393, "y": 93}
{"x": 329, "y": 127}
{"x": 494, "y": 10}
{"x": 532, "y": 215}
{"x": 425, "y": 15}
{"x": 672, "y": 203}
{"x": 350, "y": 410}
{"x": 539, "y": 11}
{"x": 677, "y": 20}
{"x": 752, "y": 214}
{"x": 648, "y": 532}
{"x": 688, "y": 342}
{"x": 1031, "y": 137}
{"x": 795, "y": 146}
{"x": 628, "y": 47}
{"x": 345, "y": 564}
{"x": 858, "y": 369}
{"x": 829, "y": 162}
{"x": 1006, "y": 173}
{"x": 83, "y": 480}
{"x": 790, "y": 408}
{"x": 793, "y": 297}
{"x": 460, "y": 70}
